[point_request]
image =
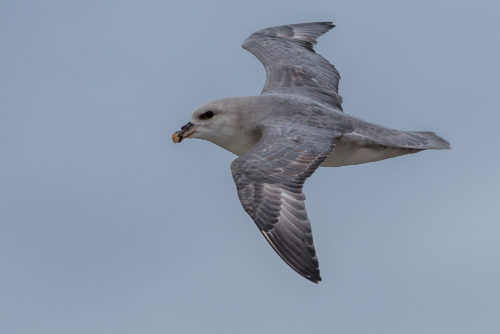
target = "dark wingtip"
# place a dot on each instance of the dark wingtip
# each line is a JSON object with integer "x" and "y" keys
{"x": 329, "y": 24}
{"x": 315, "y": 279}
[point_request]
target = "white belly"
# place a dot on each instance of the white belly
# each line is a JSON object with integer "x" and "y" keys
{"x": 354, "y": 156}
{"x": 354, "y": 152}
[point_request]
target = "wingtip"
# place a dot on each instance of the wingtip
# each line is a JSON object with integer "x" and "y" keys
{"x": 329, "y": 24}
{"x": 315, "y": 280}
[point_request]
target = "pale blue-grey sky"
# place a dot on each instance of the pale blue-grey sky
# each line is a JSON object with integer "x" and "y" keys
{"x": 106, "y": 226}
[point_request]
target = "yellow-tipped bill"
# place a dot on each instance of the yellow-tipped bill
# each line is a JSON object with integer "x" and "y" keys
{"x": 184, "y": 132}
{"x": 176, "y": 138}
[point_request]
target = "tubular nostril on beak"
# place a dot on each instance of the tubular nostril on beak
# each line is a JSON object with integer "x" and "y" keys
{"x": 186, "y": 126}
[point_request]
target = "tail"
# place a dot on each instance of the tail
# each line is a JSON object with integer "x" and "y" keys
{"x": 429, "y": 140}
{"x": 376, "y": 135}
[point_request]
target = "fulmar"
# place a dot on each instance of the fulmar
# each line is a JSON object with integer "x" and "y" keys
{"x": 283, "y": 135}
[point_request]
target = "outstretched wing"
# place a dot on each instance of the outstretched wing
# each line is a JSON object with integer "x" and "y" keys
{"x": 269, "y": 179}
{"x": 292, "y": 66}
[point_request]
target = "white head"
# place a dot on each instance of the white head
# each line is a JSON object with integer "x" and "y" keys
{"x": 220, "y": 122}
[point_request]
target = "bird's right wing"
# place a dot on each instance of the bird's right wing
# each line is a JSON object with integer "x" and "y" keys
{"x": 269, "y": 179}
{"x": 292, "y": 66}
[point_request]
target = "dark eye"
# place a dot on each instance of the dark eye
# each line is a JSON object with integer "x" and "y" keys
{"x": 207, "y": 115}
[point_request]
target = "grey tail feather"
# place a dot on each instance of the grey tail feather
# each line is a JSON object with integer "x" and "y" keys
{"x": 433, "y": 141}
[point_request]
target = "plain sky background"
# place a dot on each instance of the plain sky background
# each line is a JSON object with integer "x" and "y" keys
{"x": 106, "y": 226}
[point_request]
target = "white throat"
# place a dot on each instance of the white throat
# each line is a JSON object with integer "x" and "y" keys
{"x": 238, "y": 142}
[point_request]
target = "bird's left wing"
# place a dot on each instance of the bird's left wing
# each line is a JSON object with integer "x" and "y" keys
{"x": 269, "y": 179}
{"x": 292, "y": 66}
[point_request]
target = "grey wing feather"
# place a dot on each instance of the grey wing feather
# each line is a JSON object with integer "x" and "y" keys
{"x": 292, "y": 66}
{"x": 269, "y": 179}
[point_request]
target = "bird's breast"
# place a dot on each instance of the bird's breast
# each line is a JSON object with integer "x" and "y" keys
{"x": 239, "y": 143}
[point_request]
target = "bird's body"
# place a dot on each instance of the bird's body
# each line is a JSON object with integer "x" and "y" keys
{"x": 366, "y": 142}
{"x": 283, "y": 135}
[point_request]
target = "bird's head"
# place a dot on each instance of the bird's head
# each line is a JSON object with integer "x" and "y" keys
{"x": 214, "y": 121}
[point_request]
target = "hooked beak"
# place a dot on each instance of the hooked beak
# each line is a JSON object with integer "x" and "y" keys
{"x": 185, "y": 131}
